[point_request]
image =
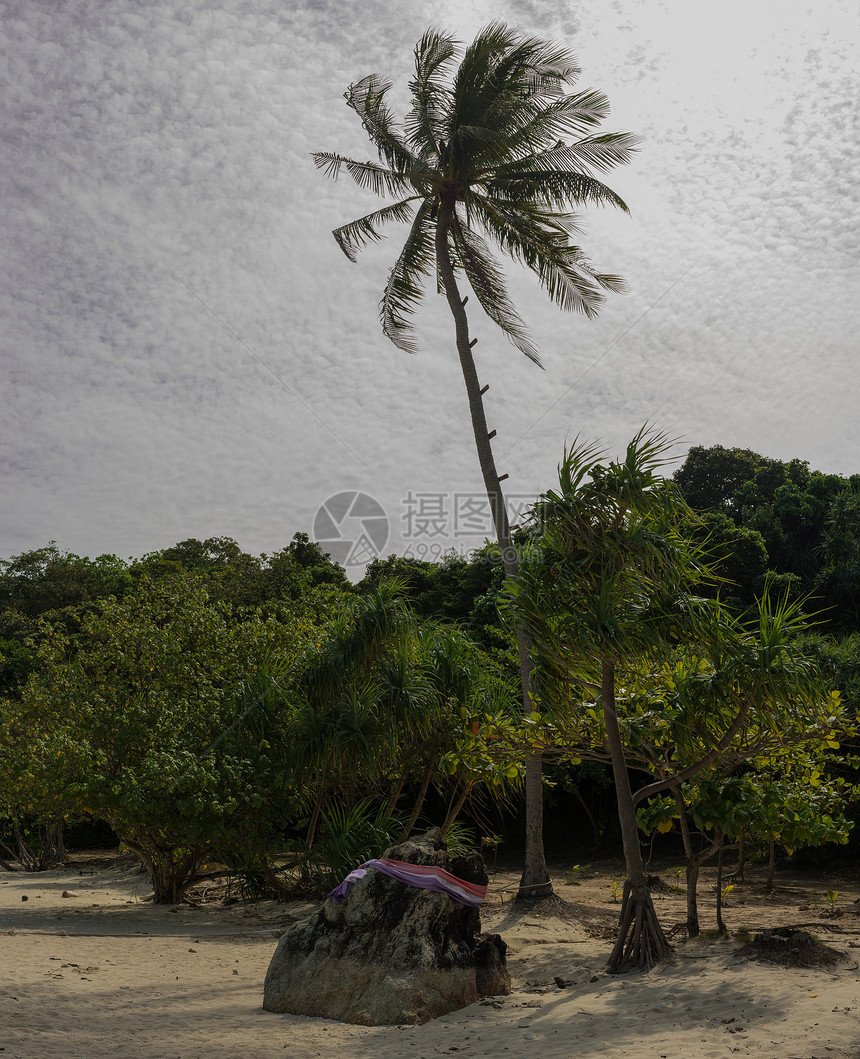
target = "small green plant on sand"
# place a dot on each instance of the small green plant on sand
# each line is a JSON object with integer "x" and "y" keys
{"x": 744, "y": 935}
{"x": 617, "y": 885}
{"x": 577, "y": 873}
{"x": 573, "y": 877}
{"x": 832, "y": 899}
{"x": 726, "y": 890}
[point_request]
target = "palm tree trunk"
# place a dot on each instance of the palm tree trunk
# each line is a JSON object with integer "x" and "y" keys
{"x": 641, "y": 942}
{"x": 535, "y": 878}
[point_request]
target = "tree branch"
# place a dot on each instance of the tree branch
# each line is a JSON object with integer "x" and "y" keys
{"x": 698, "y": 766}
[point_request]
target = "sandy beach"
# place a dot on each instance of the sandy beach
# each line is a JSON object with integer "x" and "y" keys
{"x": 106, "y": 973}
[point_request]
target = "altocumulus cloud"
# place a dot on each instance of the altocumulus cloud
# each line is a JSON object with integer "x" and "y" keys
{"x": 186, "y": 352}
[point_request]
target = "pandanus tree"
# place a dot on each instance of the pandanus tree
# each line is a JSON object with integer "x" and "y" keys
{"x": 494, "y": 151}
{"x": 609, "y": 601}
{"x": 609, "y": 585}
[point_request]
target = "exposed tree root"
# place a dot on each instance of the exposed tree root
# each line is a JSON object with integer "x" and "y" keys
{"x": 641, "y": 942}
{"x": 546, "y": 905}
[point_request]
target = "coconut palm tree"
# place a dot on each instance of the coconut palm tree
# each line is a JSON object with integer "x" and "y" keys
{"x": 495, "y": 150}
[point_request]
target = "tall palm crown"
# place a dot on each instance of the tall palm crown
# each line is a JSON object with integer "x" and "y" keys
{"x": 496, "y": 151}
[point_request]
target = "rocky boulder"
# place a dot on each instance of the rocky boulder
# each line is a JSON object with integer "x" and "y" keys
{"x": 390, "y": 954}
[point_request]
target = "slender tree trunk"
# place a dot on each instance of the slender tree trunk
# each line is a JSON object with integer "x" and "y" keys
{"x": 26, "y": 856}
{"x": 692, "y": 868}
{"x": 281, "y": 892}
{"x": 692, "y": 876}
{"x": 394, "y": 798}
{"x": 455, "y": 807}
{"x": 419, "y": 801}
{"x": 771, "y": 863}
{"x": 315, "y": 815}
{"x": 170, "y": 879}
{"x": 742, "y": 859}
{"x": 53, "y": 849}
{"x": 535, "y": 878}
{"x": 721, "y": 926}
{"x": 641, "y": 942}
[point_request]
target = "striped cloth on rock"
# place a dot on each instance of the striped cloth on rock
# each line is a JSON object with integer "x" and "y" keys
{"x": 424, "y": 876}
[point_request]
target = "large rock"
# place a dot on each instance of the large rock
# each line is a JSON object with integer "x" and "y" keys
{"x": 390, "y": 954}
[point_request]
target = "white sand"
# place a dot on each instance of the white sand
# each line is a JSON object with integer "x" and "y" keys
{"x": 102, "y": 974}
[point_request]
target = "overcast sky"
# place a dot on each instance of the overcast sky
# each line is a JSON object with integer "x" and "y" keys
{"x": 187, "y": 353}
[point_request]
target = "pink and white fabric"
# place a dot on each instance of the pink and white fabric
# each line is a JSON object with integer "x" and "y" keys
{"x": 424, "y": 876}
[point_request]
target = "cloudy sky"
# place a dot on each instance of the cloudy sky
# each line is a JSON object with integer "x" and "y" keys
{"x": 185, "y": 352}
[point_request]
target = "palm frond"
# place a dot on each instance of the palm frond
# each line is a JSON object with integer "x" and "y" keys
{"x": 487, "y": 281}
{"x": 594, "y": 153}
{"x": 504, "y": 97}
{"x": 479, "y": 88}
{"x": 556, "y": 187}
{"x": 367, "y": 98}
{"x": 368, "y": 175}
{"x": 357, "y": 234}
{"x": 405, "y": 288}
{"x": 547, "y": 67}
{"x": 537, "y": 239}
{"x": 574, "y": 114}
{"x": 500, "y": 62}
{"x": 517, "y": 126}
{"x": 607, "y": 280}
{"x": 604, "y": 152}
{"x": 425, "y": 126}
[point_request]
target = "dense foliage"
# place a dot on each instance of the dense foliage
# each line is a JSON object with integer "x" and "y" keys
{"x": 265, "y": 716}
{"x": 807, "y": 522}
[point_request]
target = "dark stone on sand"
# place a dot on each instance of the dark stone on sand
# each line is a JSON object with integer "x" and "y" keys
{"x": 391, "y": 954}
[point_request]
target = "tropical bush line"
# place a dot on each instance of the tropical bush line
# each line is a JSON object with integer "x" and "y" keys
{"x": 268, "y": 716}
